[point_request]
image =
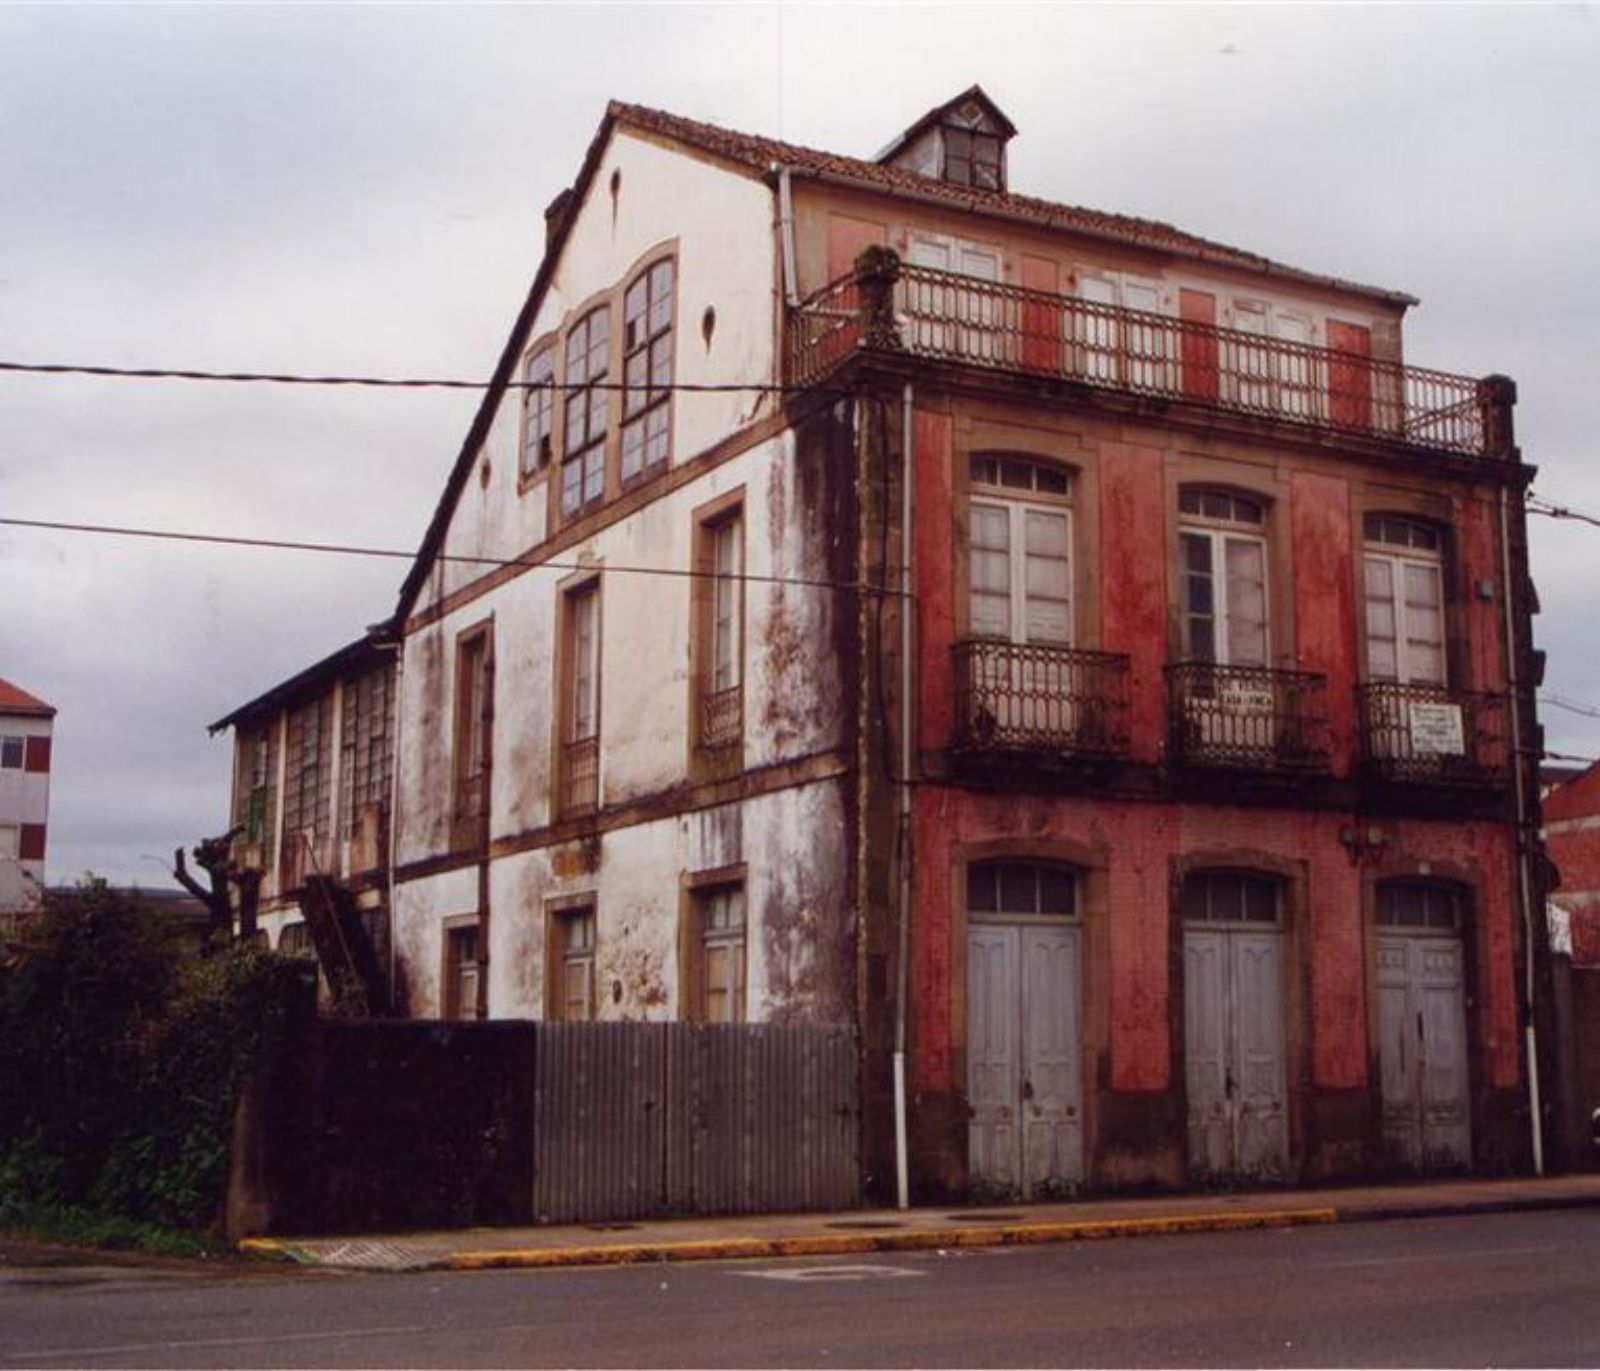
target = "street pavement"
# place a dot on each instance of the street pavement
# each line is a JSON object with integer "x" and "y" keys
{"x": 864, "y": 1231}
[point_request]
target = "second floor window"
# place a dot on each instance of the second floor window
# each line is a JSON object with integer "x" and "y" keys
{"x": 720, "y": 978}
{"x": 583, "y": 461}
{"x": 306, "y": 795}
{"x": 1020, "y": 557}
{"x": 1405, "y": 601}
{"x": 719, "y": 636}
{"x": 971, "y": 158}
{"x": 255, "y": 810}
{"x": 367, "y": 757}
{"x": 647, "y": 370}
{"x": 474, "y": 701}
{"x": 572, "y": 995}
{"x": 1224, "y": 578}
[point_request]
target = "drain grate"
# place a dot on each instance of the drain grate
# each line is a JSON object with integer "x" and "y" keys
{"x": 983, "y": 1218}
{"x": 865, "y": 1224}
{"x": 612, "y": 1227}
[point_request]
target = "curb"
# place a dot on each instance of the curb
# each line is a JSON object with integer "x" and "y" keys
{"x": 830, "y": 1244}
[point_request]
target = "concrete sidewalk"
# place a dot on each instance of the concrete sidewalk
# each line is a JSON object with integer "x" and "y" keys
{"x": 889, "y": 1230}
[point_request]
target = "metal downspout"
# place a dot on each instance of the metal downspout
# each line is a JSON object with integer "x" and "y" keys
{"x": 907, "y": 721}
{"x": 791, "y": 289}
{"x": 1519, "y": 763}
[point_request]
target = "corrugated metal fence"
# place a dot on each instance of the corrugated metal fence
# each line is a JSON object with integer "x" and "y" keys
{"x": 633, "y": 1120}
{"x": 367, "y": 1126}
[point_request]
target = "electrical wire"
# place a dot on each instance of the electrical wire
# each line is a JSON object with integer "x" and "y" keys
{"x": 1588, "y": 711}
{"x": 355, "y": 550}
{"x": 281, "y": 378}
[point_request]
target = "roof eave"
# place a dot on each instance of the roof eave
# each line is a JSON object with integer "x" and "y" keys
{"x": 366, "y": 650}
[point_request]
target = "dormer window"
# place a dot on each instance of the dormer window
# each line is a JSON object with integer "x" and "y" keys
{"x": 972, "y": 158}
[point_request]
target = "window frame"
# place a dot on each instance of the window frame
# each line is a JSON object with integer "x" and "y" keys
{"x": 960, "y": 165}
{"x": 700, "y": 890}
{"x": 1016, "y": 504}
{"x": 537, "y": 450}
{"x": 642, "y": 415}
{"x": 1218, "y": 532}
{"x": 13, "y": 752}
{"x": 561, "y": 915}
{"x": 302, "y": 800}
{"x": 1038, "y": 868}
{"x": 472, "y": 736}
{"x": 1266, "y": 883}
{"x": 458, "y": 972}
{"x": 574, "y": 733}
{"x": 1399, "y": 559}
{"x": 716, "y": 726}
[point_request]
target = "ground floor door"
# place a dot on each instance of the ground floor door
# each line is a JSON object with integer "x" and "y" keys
{"x": 1422, "y": 1052}
{"x": 1234, "y": 1052}
{"x": 1024, "y": 1078}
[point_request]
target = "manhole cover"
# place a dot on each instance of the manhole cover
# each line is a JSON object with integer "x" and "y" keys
{"x": 983, "y": 1218}
{"x": 612, "y": 1227}
{"x": 862, "y": 1223}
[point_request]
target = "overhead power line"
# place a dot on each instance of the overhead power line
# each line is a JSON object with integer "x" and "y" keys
{"x": 400, "y": 554}
{"x": 283, "y": 378}
{"x": 1588, "y": 711}
{"x": 1538, "y": 505}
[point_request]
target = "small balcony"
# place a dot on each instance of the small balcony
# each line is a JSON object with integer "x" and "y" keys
{"x": 1424, "y": 735}
{"x": 1247, "y": 719}
{"x": 888, "y": 306}
{"x": 580, "y": 776}
{"x": 1050, "y": 702}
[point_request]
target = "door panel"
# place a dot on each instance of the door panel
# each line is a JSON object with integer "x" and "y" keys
{"x": 1052, "y": 1091}
{"x": 993, "y": 1065}
{"x": 1198, "y": 353}
{"x": 1423, "y": 1052}
{"x": 1350, "y": 375}
{"x": 1234, "y": 1051}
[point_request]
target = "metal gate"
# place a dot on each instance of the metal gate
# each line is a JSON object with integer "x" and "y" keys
{"x": 1024, "y": 1080}
{"x": 1422, "y": 1052}
{"x": 633, "y": 1120}
{"x": 1234, "y": 1058}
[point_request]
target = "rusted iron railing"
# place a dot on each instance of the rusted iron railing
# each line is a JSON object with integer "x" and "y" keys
{"x": 580, "y": 775}
{"x": 1002, "y": 327}
{"x": 1247, "y": 718}
{"x": 1033, "y": 697}
{"x": 1431, "y": 735}
{"x": 722, "y": 718}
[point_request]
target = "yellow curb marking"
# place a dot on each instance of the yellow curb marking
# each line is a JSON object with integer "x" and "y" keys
{"x": 818, "y": 1245}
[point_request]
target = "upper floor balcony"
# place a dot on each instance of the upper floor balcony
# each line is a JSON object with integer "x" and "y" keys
{"x": 1429, "y": 735}
{"x": 1051, "y": 702}
{"x": 1247, "y": 719}
{"x": 886, "y": 305}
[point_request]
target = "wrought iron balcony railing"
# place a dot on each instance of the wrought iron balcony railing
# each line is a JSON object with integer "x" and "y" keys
{"x": 580, "y": 775}
{"x": 1036, "y": 698}
{"x": 1003, "y": 327}
{"x": 1247, "y": 718}
{"x": 722, "y": 718}
{"x": 1431, "y": 735}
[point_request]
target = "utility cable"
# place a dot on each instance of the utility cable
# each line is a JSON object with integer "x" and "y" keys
{"x": 354, "y": 550}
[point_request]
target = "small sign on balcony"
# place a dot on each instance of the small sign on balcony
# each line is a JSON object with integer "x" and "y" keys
{"x": 1436, "y": 729}
{"x": 1240, "y": 697}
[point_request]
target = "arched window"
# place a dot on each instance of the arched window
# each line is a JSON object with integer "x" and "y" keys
{"x": 1420, "y": 906}
{"x": 1228, "y": 896}
{"x": 1224, "y": 577}
{"x": 1021, "y": 890}
{"x": 1405, "y": 601}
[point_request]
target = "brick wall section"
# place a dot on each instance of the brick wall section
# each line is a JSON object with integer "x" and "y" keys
{"x": 1478, "y": 531}
{"x": 1140, "y": 885}
{"x": 1324, "y": 605}
{"x": 1133, "y": 602}
{"x": 1572, "y": 836}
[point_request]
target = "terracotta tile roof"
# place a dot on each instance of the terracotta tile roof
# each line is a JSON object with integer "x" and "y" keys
{"x": 758, "y": 154}
{"x": 16, "y": 700}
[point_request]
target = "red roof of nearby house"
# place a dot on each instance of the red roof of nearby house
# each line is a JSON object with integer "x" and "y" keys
{"x": 760, "y": 154}
{"x": 16, "y": 700}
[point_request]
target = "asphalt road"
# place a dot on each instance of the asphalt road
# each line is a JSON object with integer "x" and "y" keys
{"x": 1497, "y": 1290}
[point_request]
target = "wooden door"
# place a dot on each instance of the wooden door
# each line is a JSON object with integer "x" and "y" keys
{"x": 1422, "y": 1052}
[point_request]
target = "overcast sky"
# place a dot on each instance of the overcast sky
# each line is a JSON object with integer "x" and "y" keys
{"x": 360, "y": 190}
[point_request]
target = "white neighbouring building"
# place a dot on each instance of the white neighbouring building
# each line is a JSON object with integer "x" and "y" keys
{"x": 26, "y": 724}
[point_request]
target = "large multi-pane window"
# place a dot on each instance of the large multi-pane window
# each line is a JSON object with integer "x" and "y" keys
{"x": 719, "y": 646}
{"x": 1405, "y": 601}
{"x": 647, "y": 370}
{"x": 538, "y": 410}
{"x": 255, "y": 801}
{"x": 583, "y": 460}
{"x": 307, "y": 788}
{"x": 365, "y": 746}
{"x": 1224, "y": 578}
{"x": 1020, "y": 551}
{"x": 1230, "y": 897}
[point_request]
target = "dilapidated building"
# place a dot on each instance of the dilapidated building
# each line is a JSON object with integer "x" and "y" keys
{"x": 1087, "y": 659}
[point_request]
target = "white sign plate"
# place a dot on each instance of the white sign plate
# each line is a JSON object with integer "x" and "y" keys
{"x": 1236, "y": 697}
{"x": 1436, "y": 729}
